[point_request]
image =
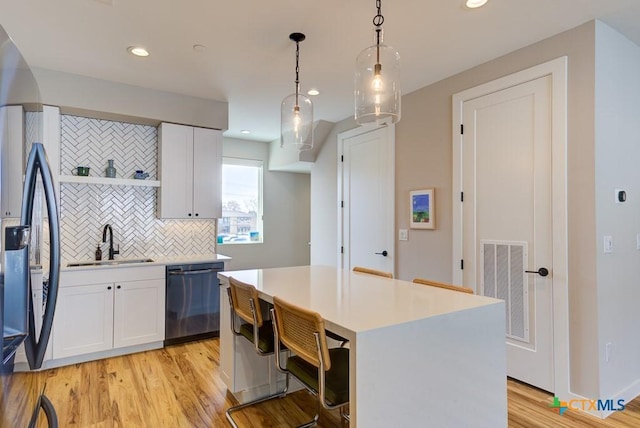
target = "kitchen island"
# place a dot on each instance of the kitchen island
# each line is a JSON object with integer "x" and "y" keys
{"x": 418, "y": 355}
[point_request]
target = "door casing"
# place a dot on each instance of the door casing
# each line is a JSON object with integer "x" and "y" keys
{"x": 557, "y": 70}
{"x": 390, "y": 230}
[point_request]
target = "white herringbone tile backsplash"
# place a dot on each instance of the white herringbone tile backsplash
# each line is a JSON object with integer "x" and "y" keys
{"x": 130, "y": 210}
{"x": 91, "y": 142}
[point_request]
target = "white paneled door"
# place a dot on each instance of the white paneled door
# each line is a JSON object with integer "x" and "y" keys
{"x": 507, "y": 218}
{"x": 367, "y": 204}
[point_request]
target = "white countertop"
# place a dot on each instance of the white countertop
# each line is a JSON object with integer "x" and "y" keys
{"x": 354, "y": 301}
{"x": 157, "y": 261}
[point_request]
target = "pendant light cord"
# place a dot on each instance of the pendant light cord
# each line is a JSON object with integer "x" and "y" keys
{"x": 297, "y": 71}
{"x": 378, "y": 20}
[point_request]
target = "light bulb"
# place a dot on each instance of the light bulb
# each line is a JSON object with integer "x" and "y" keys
{"x": 377, "y": 83}
{"x": 377, "y": 78}
{"x": 296, "y": 121}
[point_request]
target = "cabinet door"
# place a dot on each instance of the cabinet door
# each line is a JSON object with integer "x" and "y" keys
{"x": 138, "y": 312}
{"x": 11, "y": 147}
{"x": 175, "y": 150}
{"x": 207, "y": 173}
{"x": 84, "y": 320}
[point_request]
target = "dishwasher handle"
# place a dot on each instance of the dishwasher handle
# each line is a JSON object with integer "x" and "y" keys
{"x": 191, "y": 272}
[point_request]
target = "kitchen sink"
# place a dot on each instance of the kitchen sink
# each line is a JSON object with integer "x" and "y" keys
{"x": 108, "y": 262}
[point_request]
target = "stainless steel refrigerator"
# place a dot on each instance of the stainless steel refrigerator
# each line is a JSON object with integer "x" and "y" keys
{"x": 23, "y": 401}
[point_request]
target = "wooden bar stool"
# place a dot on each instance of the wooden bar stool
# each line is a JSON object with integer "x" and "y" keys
{"x": 245, "y": 304}
{"x": 323, "y": 371}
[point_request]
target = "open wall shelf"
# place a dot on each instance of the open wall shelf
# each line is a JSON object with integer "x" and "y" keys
{"x": 108, "y": 181}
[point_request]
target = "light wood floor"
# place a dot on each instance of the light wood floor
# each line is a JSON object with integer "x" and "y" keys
{"x": 179, "y": 386}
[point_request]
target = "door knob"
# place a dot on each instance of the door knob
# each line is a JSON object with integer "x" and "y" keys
{"x": 542, "y": 271}
{"x": 384, "y": 253}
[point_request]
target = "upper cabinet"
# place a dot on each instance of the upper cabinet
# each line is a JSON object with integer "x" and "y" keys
{"x": 190, "y": 172}
{"x": 12, "y": 145}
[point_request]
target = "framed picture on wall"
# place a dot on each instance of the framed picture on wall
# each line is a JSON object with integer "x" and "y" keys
{"x": 422, "y": 209}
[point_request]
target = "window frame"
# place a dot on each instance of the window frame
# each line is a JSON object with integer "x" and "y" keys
{"x": 256, "y": 163}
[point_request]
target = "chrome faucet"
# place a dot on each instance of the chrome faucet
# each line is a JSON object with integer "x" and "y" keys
{"x": 112, "y": 252}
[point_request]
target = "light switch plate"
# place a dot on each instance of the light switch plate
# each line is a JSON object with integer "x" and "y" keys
{"x": 608, "y": 244}
{"x": 403, "y": 235}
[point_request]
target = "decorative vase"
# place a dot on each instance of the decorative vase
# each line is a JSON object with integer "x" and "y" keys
{"x": 110, "y": 171}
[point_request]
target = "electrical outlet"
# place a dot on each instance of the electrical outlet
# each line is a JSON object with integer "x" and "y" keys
{"x": 403, "y": 235}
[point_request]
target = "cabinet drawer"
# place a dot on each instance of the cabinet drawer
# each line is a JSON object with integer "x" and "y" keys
{"x": 110, "y": 274}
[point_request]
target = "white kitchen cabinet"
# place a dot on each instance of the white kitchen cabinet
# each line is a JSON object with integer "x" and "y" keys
{"x": 102, "y": 310}
{"x": 83, "y": 320}
{"x": 139, "y": 310}
{"x": 12, "y": 142}
{"x": 190, "y": 172}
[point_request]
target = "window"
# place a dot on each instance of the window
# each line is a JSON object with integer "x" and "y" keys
{"x": 241, "y": 221}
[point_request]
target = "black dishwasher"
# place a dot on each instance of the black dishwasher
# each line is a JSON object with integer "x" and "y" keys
{"x": 192, "y": 302}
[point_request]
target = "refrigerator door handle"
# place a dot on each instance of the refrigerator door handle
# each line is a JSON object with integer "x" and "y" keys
{"x": 36, "y": 345}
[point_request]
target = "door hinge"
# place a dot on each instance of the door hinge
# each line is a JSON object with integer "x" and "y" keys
{"x": 461, "y": 196}
{"x": 461, "y": 128}
{"x": 341, "y": 250}
{"x": 461, "y": 264}
{"x": 341, "y": 204}
{"x": 342, "y": 158}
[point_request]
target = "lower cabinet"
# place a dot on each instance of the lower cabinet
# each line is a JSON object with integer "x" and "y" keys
{"x": 138, "y": 313}
{"x": 115, "y": 313}
{"x": 83, "y": 320}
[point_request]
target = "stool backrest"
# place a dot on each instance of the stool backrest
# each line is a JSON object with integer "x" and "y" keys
{"x": 372, "y": 271}
{"x": 443, "y": 285}
{"x": 241, "y": 296}
{"x": 296, "y": 327}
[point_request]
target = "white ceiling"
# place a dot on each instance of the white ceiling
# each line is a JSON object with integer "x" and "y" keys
{"x": 249, "y": 60}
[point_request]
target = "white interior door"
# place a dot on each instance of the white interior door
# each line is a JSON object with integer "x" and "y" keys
{"x": 507, "y": 218}
{"x": 367, "y": 189}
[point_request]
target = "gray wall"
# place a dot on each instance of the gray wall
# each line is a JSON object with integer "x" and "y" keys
{"x": 617, "y": 147}
{"x": 285, "y": 214}
{"x": 324, "y": 199}
{"x": 424, "y": 159}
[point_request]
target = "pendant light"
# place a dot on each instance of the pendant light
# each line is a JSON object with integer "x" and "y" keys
{"x": 296, "y": 130}
{"x": 377, "y": 79}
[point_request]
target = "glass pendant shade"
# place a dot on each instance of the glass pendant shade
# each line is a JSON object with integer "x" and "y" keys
{"x": 377, "y": 84}
{"x": 296, "y": 124}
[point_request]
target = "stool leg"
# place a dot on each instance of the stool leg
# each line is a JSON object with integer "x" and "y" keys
{"x": 251, "y": 403}
{"x": 313, "y": 422}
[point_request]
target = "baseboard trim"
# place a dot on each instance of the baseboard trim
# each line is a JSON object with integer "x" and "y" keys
{"x": 627, "y": 394}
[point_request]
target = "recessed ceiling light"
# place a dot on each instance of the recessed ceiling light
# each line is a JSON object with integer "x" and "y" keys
{"x": 245, "y": 131}
{"x": 138, "y": 51}
{"x": 472, "y": 4}
{"x": 313, "y": 92}
{"x": 199, "y": 48}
